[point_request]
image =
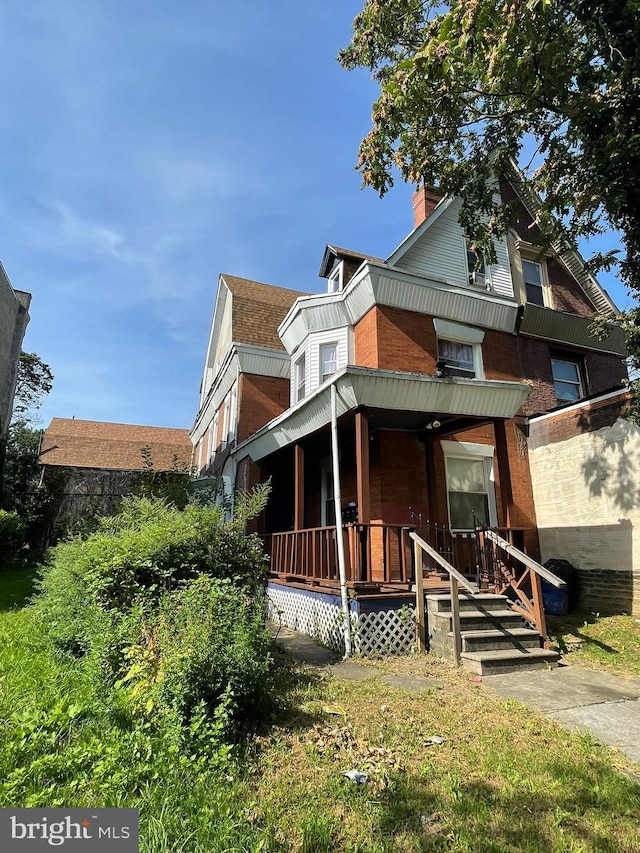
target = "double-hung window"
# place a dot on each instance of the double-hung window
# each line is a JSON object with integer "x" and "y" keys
{"x": 567, "y": 379}
{"x": 458, "y": 357}
{"x": 328, "y": 360}
{"x": 470, "y": 488}
{"x": 459, "y": 349}
{"x": 336, "y": 278}
{"x": 533, "y": 282}
{"x": 300, "y": 378}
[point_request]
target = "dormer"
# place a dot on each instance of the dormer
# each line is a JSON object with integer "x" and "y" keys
{"x": 340, "y": 265}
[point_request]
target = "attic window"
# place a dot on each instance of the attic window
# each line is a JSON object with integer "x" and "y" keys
{"x": 533, "y": 282}
{"x": 336, "y": 278}
{"x": 475, "y": 266}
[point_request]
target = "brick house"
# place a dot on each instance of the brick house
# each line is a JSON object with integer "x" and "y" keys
{"x": 92, "y": 464}
{"x": 437, "y": 362}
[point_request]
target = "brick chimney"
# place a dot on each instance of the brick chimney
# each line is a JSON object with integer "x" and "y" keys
{"x": 424, "y": 200}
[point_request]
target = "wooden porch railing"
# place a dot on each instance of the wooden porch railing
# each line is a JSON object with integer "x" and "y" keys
{"x": 421, "y": 549}
{"x": 516, "y": 575}
{"x": 375, "y": 553}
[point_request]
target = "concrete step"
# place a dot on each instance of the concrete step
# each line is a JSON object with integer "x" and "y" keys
{"x": 508, "y": 660}
{"x": 508, "y": 638}
{"x": 476, "y": 620}
{"x": 441, "y": 603}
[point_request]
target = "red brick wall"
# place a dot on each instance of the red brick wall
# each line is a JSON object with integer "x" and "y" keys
{"x": 366, "y": 340}
{"x": 602, "y": 373}
{"x": 588, "y": 418}
{"x": 398, "y": 476}
{"x": 567, "y": 293}
{"x": 260, "y": 398}
{"x": 523, "y": 511}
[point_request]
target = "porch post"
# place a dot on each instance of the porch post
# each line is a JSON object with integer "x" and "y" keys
{"x": 504, "y": 471}
{"x": 362, "y": 468}
{"x": 298, "y": 508}
{"x": 337, "y": 497}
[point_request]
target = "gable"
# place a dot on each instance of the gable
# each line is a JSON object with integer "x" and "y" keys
{"x": 246, "y": 312}
{"x": 437, "y": 249}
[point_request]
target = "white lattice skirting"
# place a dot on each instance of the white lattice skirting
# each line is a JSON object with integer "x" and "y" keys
{"x": 386, "y": 631}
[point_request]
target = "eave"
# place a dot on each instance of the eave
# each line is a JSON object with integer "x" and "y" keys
{"x": 242, "y": 358}
{"x": 383, "y": 389}
{"x": 379, "y": 284}
{"x": 569, "y": 329}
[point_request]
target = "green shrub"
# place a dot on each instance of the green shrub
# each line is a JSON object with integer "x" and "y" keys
{"x": 11, "y": 533}
{"x": 212, "y": 653}
{"x": 165, "y": 605}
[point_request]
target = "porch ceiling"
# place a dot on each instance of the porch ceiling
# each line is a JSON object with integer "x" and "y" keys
{"x": 391, "y": 391}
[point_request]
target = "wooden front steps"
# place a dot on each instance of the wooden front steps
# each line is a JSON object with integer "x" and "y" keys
{"x": 494, "y": 638}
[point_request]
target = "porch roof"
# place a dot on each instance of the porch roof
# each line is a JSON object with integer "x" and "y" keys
{"x": 391, "y": 390}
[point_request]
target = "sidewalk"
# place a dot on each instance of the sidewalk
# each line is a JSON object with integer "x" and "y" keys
{"x": 606, "y": 705}
{"x": 580, "y": 699}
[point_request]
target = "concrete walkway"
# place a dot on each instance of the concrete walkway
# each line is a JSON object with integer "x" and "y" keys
{"x": 580, "y": 699}
{"x": 606, "y": 705}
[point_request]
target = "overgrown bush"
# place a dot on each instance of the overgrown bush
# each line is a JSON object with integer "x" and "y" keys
{"x": 11, "y": 533}
{"x": 165, "y": 607}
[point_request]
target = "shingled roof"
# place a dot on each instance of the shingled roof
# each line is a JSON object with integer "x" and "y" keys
{"x": 98, "y": 444}
{"x": 258, "y": 310}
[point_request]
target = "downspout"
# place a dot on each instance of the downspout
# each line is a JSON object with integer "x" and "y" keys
{"x": 337, "y": 499}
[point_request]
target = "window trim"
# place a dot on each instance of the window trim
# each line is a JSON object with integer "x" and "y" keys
{"x": 472, "y": 274}
{"x": 535, "y": 255}
{"x": 300, "y": 372}
{"x": 321, "y": 375}
{"x": 459, "y": 334}
{"x": 578, "y": 362}
{"x": 336, "y": 276}
{"x": 467, "y": 450}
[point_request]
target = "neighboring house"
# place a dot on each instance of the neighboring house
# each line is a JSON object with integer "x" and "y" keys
{"x": 92, "y": 464}
{"x": 14, "y": 317}
{"x": 585, "y": 470}
{"x": 438, "y": 361}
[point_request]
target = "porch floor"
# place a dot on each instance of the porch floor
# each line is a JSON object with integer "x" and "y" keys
{"x": 433, "y": 584}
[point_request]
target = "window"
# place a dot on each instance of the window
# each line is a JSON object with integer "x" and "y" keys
{"x": 475, "y": 266}
{"x": 533, "y": 282}
{"x": 458, "y": 358}
{"x": 214, "y": 437}
{"x": 300, "y": 378}
{"x": 328, "y": 361}
{"x": 327, "y": 505}
{"x": 233, "y": 413}
{"x": 336, "y": 278}
{"x": 225, "y": 422}
{"x": 567, "y": 379}
{"x": 470, "y": 489}
{"x": 460, "y": 348}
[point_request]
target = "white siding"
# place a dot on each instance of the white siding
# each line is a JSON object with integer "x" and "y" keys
{"x": 343, "y": 337}
{"x": 226, "y": 335}
{"x": 441, "y": 254}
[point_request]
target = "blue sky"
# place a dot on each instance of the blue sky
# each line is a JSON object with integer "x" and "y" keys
{"x": 149, "y": 146}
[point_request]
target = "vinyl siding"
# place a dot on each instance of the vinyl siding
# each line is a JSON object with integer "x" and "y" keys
{"x": 343, "y": 337}
{"x": 441, "y": 254}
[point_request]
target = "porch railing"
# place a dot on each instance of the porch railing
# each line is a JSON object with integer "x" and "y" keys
{"x": 423, "y": 550}
{"x": 516, "y": 575}
{"x": 374, "y": 553}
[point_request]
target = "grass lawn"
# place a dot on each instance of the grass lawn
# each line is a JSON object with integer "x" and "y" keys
{"x": 608, "y": 642}
{"x": 503, "y": 779}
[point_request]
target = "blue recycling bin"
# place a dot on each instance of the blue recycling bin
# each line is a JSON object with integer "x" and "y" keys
{"x": 555, "y": 601}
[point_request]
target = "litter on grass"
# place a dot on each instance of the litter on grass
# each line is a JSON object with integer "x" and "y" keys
{"x": 356, "y": 776}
